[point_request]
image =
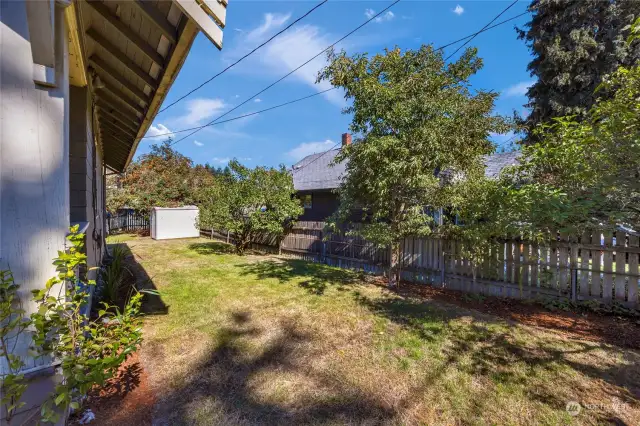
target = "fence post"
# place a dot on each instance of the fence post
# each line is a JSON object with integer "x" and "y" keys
{"x": 574, "y": 283}
{"x": 442, "y": 263}
{"x": 323, "y": 254}
{"x": 227, "y": 237}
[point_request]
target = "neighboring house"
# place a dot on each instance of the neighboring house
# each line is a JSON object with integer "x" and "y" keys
{"x": 315, "y": 178}
{"x": 80, "y": 84}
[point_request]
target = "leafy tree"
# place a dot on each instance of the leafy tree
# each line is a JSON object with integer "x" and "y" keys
{"x": 592, "y": 165}
{"x": 579, "y": 175}
{"x": 161, "y": 178}
{"x": 419, "y": 123}
{"x": 247, "y": 202}
{"x": 574, "y": 44}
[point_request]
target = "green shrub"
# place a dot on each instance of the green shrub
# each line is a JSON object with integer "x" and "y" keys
{"x": 113, "y": 274}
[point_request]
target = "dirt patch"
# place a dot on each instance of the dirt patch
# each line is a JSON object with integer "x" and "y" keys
{"x": 619, "y": 331}
{"x": 125, "y": 399}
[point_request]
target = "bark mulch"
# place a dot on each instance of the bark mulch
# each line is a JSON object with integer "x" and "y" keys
{"x": 614, "y": 330}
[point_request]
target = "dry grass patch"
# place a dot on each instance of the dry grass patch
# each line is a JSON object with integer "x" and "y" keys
{"x": 279, "y": 341}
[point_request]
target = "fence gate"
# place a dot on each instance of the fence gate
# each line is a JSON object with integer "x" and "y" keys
{"x": 127, "y": 222}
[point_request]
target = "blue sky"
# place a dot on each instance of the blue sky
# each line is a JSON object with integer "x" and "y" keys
{"x": 285, "y": 135}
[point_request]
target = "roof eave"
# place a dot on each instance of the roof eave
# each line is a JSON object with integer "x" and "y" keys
{"x": 172, "y": 69}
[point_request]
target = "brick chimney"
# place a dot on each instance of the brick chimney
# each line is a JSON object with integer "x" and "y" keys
{"x": 346, "y": 139}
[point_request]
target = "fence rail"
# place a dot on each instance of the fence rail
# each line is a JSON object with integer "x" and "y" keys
{"x": 597, "y": 265}
{"x": 128, "y": 222}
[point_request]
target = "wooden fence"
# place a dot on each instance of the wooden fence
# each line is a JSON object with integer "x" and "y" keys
{"x": 597, "y": 265}
{"x": 128, "y": 222}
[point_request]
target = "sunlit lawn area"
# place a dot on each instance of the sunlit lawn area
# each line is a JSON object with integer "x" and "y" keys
{"x": 262, "y": 340}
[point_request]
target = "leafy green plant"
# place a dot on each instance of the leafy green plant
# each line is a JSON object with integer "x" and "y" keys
{"x": 420, "y": 124}
{"x": 248, "y": 202}
{"x": 89, "y": 351}
{"x": 113, "y": 274}
{"x": 12, "y": 324}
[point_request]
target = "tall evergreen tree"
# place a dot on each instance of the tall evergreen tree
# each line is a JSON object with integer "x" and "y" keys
{"x": 575, "y": 43}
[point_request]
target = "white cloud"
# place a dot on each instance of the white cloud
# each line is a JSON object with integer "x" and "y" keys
{"x": 519, "y": 89}
{"x": 271, "y": 21}
{"x": 284, "y": 53}
{"x": 201, "y": 109}
{"x": 196, "y": 143}
{"x": 308, "y": 148}
{"x": 158, "y": 130}
{"x": 387, "y": 16}
{"x": 221, "y": 160}
{"x": 459, "y": 10}
{"x": 257, "y": 100}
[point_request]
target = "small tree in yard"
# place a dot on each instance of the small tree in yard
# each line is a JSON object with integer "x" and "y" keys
{"x": 247, "y": 202}
{"x": 417, "y": 118}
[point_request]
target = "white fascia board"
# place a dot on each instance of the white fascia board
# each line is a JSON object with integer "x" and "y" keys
{"x": 206, "y": 24}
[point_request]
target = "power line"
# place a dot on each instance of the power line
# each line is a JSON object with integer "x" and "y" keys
{"x": 241, "y": 116}
{"x": 324, "y": 91}
{"x": 318, "y": 157}
{"x": 483, "y": 29}
{"x": 468, "y": 38}
{"x": 290, "y": 72}
{"x": 244, "y": 57}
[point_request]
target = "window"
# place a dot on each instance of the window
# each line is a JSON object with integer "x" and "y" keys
{"x": 306, "y": 201}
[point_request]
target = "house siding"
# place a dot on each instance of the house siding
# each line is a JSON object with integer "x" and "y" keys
{"x": 43, "y": 183}
{"x": 323, "y": 205}
{"x": 34, "y": 159}
{"x": 86, "y": 177}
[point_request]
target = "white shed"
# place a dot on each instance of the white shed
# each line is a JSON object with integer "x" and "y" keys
{"x": 178, "y": 222}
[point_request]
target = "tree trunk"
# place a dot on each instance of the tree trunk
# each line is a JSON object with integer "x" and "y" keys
{"x": 394, "y": 278}
{"x": 242, "y": 242}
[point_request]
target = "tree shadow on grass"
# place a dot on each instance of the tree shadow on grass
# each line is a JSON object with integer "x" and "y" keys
{"x": 214, "y": 247}
{"x": 229, "y": 386}
{"x": 152, "y": 303}
{"x": 482, "y": 345}
{"x": 313, "y": 277}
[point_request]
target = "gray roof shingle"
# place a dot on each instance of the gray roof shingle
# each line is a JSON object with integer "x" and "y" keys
{"x": 496, "y": 162}
{"x": 315, "y": 171}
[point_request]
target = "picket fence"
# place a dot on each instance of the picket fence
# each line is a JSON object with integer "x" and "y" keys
{"x": 597, "y": 265}
{"x": 127, "y": 222}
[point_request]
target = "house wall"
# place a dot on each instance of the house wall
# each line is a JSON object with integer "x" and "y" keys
{"x": 34, "y": 157}
{"x": 35, "y": 175}
{"x": 86, "y": 176}
{"x": 323, "y": 204}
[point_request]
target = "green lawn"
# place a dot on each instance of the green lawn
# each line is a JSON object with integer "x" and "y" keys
{"x": 263, "y": 340}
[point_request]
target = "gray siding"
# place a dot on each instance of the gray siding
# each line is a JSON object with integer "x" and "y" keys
{"x": 323, "y": 204}
{"x": 34, "y": 159}
{"x": 86, "y": 176}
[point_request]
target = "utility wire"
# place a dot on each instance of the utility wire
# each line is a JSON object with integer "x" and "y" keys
{"x": 483, "y": 29}
{"x": 317, "y": 158}
{"x": 290, "y": 72}
{"x": 241, "y": 116}
{"x": 469, "y": 38}
{"x": 244, "y": 57}
{"x": 333, "y": 88}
